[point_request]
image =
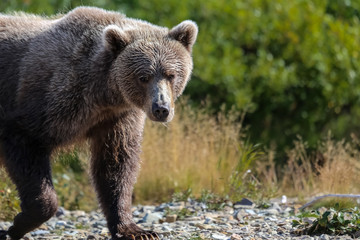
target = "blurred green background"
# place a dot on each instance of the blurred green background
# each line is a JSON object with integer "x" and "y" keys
{"x": 291, "y": 65}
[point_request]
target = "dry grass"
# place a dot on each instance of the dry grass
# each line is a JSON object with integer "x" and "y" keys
{"x": 196, "y": 150}
{"x": 332, "y": 168}
{"x": 199, "y": 150}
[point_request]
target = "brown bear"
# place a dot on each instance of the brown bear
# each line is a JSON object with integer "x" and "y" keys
{"x": 90, "y": 74}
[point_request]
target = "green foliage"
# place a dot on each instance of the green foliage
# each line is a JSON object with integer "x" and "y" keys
{"x": 243, "y": 182}
{"x": 182, "y": 196}
{"x": 293, "y": 64}
{"x": 9, "y": 200}
{"x": 249, "y": 155}
{"x": 212, "y": 200}
{"x": 334, "y": 220}
{"x": 71, "y": 182}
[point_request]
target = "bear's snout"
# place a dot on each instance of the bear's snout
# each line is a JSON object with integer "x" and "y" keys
{"x": 160, "y": 111}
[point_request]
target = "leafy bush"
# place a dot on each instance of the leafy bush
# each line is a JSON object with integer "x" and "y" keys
{"x": 331, "y": 221}
{"x": 293, "y": 64}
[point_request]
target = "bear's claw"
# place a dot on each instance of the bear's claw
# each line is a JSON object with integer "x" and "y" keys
{"x": 143, "y": 236}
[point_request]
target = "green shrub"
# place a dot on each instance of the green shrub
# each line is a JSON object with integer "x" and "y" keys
{"x": 334, "y": 221}
{"x": 293, "y": 64}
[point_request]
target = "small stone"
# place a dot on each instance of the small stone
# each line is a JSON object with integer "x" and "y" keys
{"x": 166, "y": 229}
{"x": 255, "y": 224}
{"x": 152, "y": 217}
{"x": 136, "y": 213}
{"x": 104, "y": 231}
{"x": 176, "y": 208}
{"x": 148, "y": 209}
{"x": 239, "y": 215}
{"x": 245, "y": 201}
{"x": 60, "y": 224}
{"x": 324, "y": 237}
{"x": 218, "y": 236}
{"x": 99, "y": 224}
{"x": 272, "y": 211}
{"x": 203, "y": 226}
{"x": 276, "y": 206}
{"x": 40, "y": 232}
{"x": 78, "y": 213}
{"x": 171, "y": 218}
{"x": 250, "y": 211}
{"x": 209, "y": 220}
{"x": 60, "y": 211}
{"x": 235, "y": 236}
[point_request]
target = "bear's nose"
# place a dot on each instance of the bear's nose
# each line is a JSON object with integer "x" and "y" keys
{"x": 160, "y": 111}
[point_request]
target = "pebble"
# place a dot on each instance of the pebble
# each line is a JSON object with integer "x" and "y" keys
{"x": 171, "y": 218}
{"x": 236, "y": 221}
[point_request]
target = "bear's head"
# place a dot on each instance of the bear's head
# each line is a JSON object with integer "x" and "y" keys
{"x": 152, "y": 65}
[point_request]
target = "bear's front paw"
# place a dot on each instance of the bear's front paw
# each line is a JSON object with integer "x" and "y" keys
{"x": 148, "y": 235}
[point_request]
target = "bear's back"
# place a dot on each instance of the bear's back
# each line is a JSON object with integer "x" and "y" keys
{"x": 16, "y": 31}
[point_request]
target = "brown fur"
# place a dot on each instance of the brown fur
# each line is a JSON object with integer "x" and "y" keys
{"x": 91, "y": 74}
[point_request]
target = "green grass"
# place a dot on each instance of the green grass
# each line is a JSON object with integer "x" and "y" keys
{"x": 181, "y": 213}
{"x": 9, "y": 201}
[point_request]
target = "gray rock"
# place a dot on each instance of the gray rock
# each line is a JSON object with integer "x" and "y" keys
{"x": 250, "y": 211}
{"x": 219, "y": 236}
{"x": 324, "y": 237}
{"x": 60, "y": 211}
{"x": 40, "y": 232}
{"x": 152, "y": 217}
{"x": 272, "y": 211}
{"x": 245, "y": 202}
{"x": 227, "y": 224}
{"x": 147, "y": 209}
{"x": 166, "y": 228}
{"x": 60, "y": 224}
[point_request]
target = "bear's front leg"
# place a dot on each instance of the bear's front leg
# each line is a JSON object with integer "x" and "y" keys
{"x": 115, "y": 150}
{"x": 28, "y": 165}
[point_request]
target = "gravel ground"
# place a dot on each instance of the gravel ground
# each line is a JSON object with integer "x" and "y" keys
{"x": 181, "y": 220}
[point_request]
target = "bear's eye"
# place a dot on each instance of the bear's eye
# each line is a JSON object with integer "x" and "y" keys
{"x": 170, "y": 77}
{"x": 144, "y": 79}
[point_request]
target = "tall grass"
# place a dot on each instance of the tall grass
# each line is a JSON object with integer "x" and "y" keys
{"x": 333, "y": 167}
{"x": 200, "y": 151}
{"x": 196, "y": 150}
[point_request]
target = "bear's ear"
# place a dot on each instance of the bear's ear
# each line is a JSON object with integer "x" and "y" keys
{"x": 115, "y": 39}
{"x": 186, "y": 33}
